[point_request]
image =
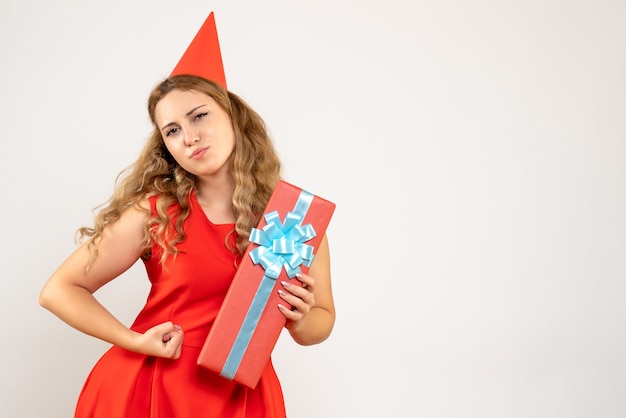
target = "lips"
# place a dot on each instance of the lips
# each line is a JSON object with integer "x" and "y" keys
{"x": 197, "y": 153}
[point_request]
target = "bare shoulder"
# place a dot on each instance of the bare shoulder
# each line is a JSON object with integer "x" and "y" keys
{"x": 131, "y": 223}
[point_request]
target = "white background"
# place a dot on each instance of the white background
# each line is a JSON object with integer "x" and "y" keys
{"x": 476, "y": 151}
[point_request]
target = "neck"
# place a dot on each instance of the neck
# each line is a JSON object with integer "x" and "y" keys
{"x": 216, "y": 198}
{"x": 216, "y": 189}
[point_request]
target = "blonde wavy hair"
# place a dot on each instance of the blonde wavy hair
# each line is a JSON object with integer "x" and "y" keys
{"x": 254, "y": 167}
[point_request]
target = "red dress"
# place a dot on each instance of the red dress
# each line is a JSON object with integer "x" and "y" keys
{"x": 188, "y": 293}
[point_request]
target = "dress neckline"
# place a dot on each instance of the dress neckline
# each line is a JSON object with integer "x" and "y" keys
{"x": 194, "y": 202}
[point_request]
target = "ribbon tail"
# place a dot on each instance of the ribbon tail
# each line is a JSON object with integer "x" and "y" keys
{"x": 231, "y": 365}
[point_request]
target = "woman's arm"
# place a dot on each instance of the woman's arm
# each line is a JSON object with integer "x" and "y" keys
{"x": 69, "y": 291}
{"x": 313, "y": 317}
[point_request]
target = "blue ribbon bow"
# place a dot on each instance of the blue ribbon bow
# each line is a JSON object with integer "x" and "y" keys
{"x": 282, "y": 245}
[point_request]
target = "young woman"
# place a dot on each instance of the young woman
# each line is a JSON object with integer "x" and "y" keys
{"x": 186, "y": 209}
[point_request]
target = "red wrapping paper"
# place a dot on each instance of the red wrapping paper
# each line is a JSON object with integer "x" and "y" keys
{"x": 224, "y": 332}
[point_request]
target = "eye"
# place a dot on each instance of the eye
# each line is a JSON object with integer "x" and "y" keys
{"x": 171, "y": 131}
{"x": 201, "y": 115}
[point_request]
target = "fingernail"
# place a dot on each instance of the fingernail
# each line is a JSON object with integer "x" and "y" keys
{"x": 280, "y": 292}
{"x": 281, "y": 307}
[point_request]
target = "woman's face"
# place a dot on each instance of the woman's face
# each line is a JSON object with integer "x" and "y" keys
{"x": 196, "y": 131}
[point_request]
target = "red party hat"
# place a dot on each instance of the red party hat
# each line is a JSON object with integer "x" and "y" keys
{"x": 203, "y": 56}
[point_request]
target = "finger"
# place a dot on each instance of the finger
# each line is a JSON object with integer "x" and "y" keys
{"x": 169, "y": 335}
{"x": 306, "y": 280}
{"x": 291, "y": 298}
{"x": 163, "y": 328}
{"x": 171, "y": 339}
{"x": 175, "y": 335}
{"x": 178, "y": 346}
{"x": 299, "y": 293}
{"x": 298, "y": 305}
{"x": 289, "y": 314}
{"x": 178, "y": 352}
{"x": 172, "y": 348}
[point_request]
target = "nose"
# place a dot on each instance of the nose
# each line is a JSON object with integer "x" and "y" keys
{"x": 191, "y": 137}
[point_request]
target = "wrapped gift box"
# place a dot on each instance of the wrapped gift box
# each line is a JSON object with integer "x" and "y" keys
{"x": 249, "y": 323}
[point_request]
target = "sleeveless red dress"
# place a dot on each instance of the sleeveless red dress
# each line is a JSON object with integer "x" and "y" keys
{"x": 188, "y": 293}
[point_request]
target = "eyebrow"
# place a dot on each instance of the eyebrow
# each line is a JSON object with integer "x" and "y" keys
{"x": 186, "y": 114}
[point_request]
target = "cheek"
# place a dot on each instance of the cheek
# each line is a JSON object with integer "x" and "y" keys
{"x": 232, "y": 145}
{"x": 172, "y": 146}
{"x": 229, "y": 140}
{"x": 173, "y": 152}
